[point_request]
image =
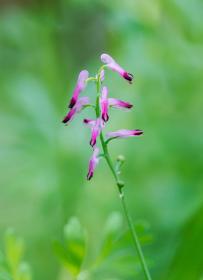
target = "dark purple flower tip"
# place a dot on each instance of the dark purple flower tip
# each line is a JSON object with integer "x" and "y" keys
{"x": 128, "y": 77}
{"x": 86, "y": 121}
{"x": 138, "y": 132}
{"x": 93, "y": 142}
{"x": 89, "y": 175}
{"x": 66, "y": 119}
{"x": 72, "y": 102}
{"x": 105, "y": 117}
{"x": 129, "y": 106}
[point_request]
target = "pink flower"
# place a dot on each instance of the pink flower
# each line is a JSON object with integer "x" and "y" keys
{"x": 80, "y": 86}
{"x": 93, "y": 163}
{"x": 124, "y": 133}
{"x": 113, "y": 65}
{"x": 79, "y": 105}
{"x": 96, "y": 127}
{"x": 104, "y": 104}
{"x": 116, "y": 103}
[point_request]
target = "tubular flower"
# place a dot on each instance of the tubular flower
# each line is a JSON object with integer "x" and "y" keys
{"x": 104, "y": 104}
{"x": 113, "y": 65}
{"x": 79, "y": 105}
{"x": 93, "y": 163}
{"x": 96, "y": 127}
{"x": 80, "y": 86}
{"x": 116, "y": 103}
{"x": 124, "y": 133}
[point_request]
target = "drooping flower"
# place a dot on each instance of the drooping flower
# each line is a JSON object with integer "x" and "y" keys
{"x": 124, "y": 133}
{"x": 116, "y": 103}
{"x": 80, "y": 86}
{"x": 96, "y": 128}
{"x": 104, "y": 104}
{"x": 93, "y": 163}
{"x": 113, "y": 65}
{"x": 79, "y": 105}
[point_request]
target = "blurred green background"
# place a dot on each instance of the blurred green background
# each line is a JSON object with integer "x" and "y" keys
{"x": 43, "y": 46}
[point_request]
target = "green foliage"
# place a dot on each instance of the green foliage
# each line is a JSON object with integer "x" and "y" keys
{"x": 72, "y": 252}
{"x": 12, "y": 265}
{"x": 114, "y": 257}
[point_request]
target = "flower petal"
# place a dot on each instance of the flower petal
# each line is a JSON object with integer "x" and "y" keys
{"x": 96, "y": 128}
{"x": 79, "y": 105}
{"x": 124, "y": 133}
{"x": 93, "y": 163}
{"x": 80, "y": 86}
{"x": 114, "y": 66}
{"x": 104, "y": 104}
{"x": 116, "y": 103}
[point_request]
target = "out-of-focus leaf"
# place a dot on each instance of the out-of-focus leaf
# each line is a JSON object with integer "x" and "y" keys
{"x": 14, "y": 247}
{"x": 12, "y": 266}
{"x": 112, "y": 230}
{"x": 5, "y": 276}
{"x": 117, "y": 256}
{"x": 24, "y": 272}
{"x": 187, "y": 263}
{"x": 72, "y": 253}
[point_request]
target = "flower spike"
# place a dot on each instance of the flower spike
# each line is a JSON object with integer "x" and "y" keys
{"x": 104, "y": 104}
{"x": 123, "y": 133}
{"x": 80, "y": 86}
{"x": 114, "y": 66}
{"x": 93, "y": 163}
{"x": 79, "y": 105}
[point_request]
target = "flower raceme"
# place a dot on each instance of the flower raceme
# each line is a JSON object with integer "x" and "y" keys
{"x": 102, "y": 108}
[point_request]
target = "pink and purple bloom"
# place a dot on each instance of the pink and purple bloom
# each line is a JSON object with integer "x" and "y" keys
{"x": 79, "y": 105}
{"x": 104, "y": 104}
{"x": 114, "y": 66}
{"x": 93, "y": 163}
{"x": 96, "y": 128}
{"x": 102, "y": 109}
{"x": 119, "y": 104}
{"x": 123, "y": 133}
{"x": 80, "y": 86}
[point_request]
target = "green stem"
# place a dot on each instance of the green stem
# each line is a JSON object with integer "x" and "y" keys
{"x": 120, "y": 186}
{"x": 126, "y": 212}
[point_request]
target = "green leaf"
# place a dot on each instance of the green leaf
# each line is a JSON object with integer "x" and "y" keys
{"x": 14, "y": 248}
{"x": 72, "y": 253}
{"x": 24, "y": 272}
{"x": 187, "y": 263}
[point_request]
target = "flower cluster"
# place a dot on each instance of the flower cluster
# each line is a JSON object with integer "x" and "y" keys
{"x": 102, "y": 108}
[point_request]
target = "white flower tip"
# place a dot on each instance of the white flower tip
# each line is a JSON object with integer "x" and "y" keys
{"x": 104, "y": 91}
{"x": 105, "y": 58}
{"x": 83, "y": 76}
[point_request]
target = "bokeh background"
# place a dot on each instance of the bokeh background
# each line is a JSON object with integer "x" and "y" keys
{"x": 43, "y": 46}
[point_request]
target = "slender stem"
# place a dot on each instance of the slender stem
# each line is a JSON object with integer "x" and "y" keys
{"x": 120, "y": 186}
{"x": 128, "y": 217}
{"x": 135, "y": 238}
